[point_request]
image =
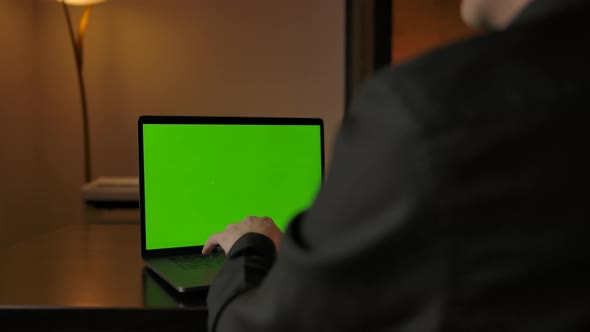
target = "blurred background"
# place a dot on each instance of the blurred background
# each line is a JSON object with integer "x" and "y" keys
{"x": 286, "y": 58}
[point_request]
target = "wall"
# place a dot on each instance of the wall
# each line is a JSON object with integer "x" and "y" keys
{"x": 421, "y": 25}
{"x": 182, "y": 57}
{"x": 19, "y": 140}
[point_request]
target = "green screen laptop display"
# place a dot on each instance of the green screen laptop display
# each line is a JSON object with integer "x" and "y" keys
{"x": 200, "y": 177}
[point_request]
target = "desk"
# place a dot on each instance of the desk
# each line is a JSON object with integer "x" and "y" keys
{"x": 90, "y": 277}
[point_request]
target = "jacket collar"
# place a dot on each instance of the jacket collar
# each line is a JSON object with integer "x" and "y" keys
{"x": 541, "y": 9}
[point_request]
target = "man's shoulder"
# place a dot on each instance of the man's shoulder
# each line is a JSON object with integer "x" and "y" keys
{"x": 500, "y": 65}
{"x": 459, "y": 66}
{"x": 438, "y": 80}
{"x": 442, "y": 77}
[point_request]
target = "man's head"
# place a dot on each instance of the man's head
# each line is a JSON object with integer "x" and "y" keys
{"x": 491, "y": 14}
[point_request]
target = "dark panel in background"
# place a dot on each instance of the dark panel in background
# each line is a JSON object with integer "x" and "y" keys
{"x": 368, "y": 40}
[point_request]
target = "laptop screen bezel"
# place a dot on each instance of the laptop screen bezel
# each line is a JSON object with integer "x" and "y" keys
{"x": 183, "y": 120}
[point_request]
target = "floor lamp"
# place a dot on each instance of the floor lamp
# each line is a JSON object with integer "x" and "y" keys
{"x": 77, "y": 40}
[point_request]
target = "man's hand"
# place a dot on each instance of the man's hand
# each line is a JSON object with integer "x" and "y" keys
{"x": 233, "y": 232}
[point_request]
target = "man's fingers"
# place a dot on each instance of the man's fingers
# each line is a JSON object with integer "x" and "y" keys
{"x": 232, "y": 232}
{"x": 210, "y": 244}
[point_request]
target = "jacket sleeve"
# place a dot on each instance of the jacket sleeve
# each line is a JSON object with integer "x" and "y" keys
{"x": 365, "y": 256}
{"x": 245, "y": 267}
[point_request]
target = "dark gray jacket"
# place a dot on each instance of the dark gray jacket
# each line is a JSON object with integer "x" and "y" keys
{"x": 457, "y": 200}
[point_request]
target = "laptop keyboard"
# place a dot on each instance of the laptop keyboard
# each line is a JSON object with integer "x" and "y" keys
{"x": 198, "y": 261}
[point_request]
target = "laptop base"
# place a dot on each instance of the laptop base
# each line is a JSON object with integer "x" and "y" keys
{"x": 180, "y": 278}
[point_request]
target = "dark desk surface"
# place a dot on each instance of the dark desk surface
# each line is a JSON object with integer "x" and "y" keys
{"x": 89, "y": 277}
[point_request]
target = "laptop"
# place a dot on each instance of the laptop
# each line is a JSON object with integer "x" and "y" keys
{"x": 199, "y": 174}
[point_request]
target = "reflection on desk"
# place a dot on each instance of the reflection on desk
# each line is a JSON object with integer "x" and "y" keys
{"x": 89, "y": 277}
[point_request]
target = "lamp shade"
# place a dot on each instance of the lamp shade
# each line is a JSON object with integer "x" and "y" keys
{"x": 81, "y": 2}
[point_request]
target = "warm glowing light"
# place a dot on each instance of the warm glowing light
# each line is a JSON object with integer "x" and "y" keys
{"x": 81, "y": 2}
